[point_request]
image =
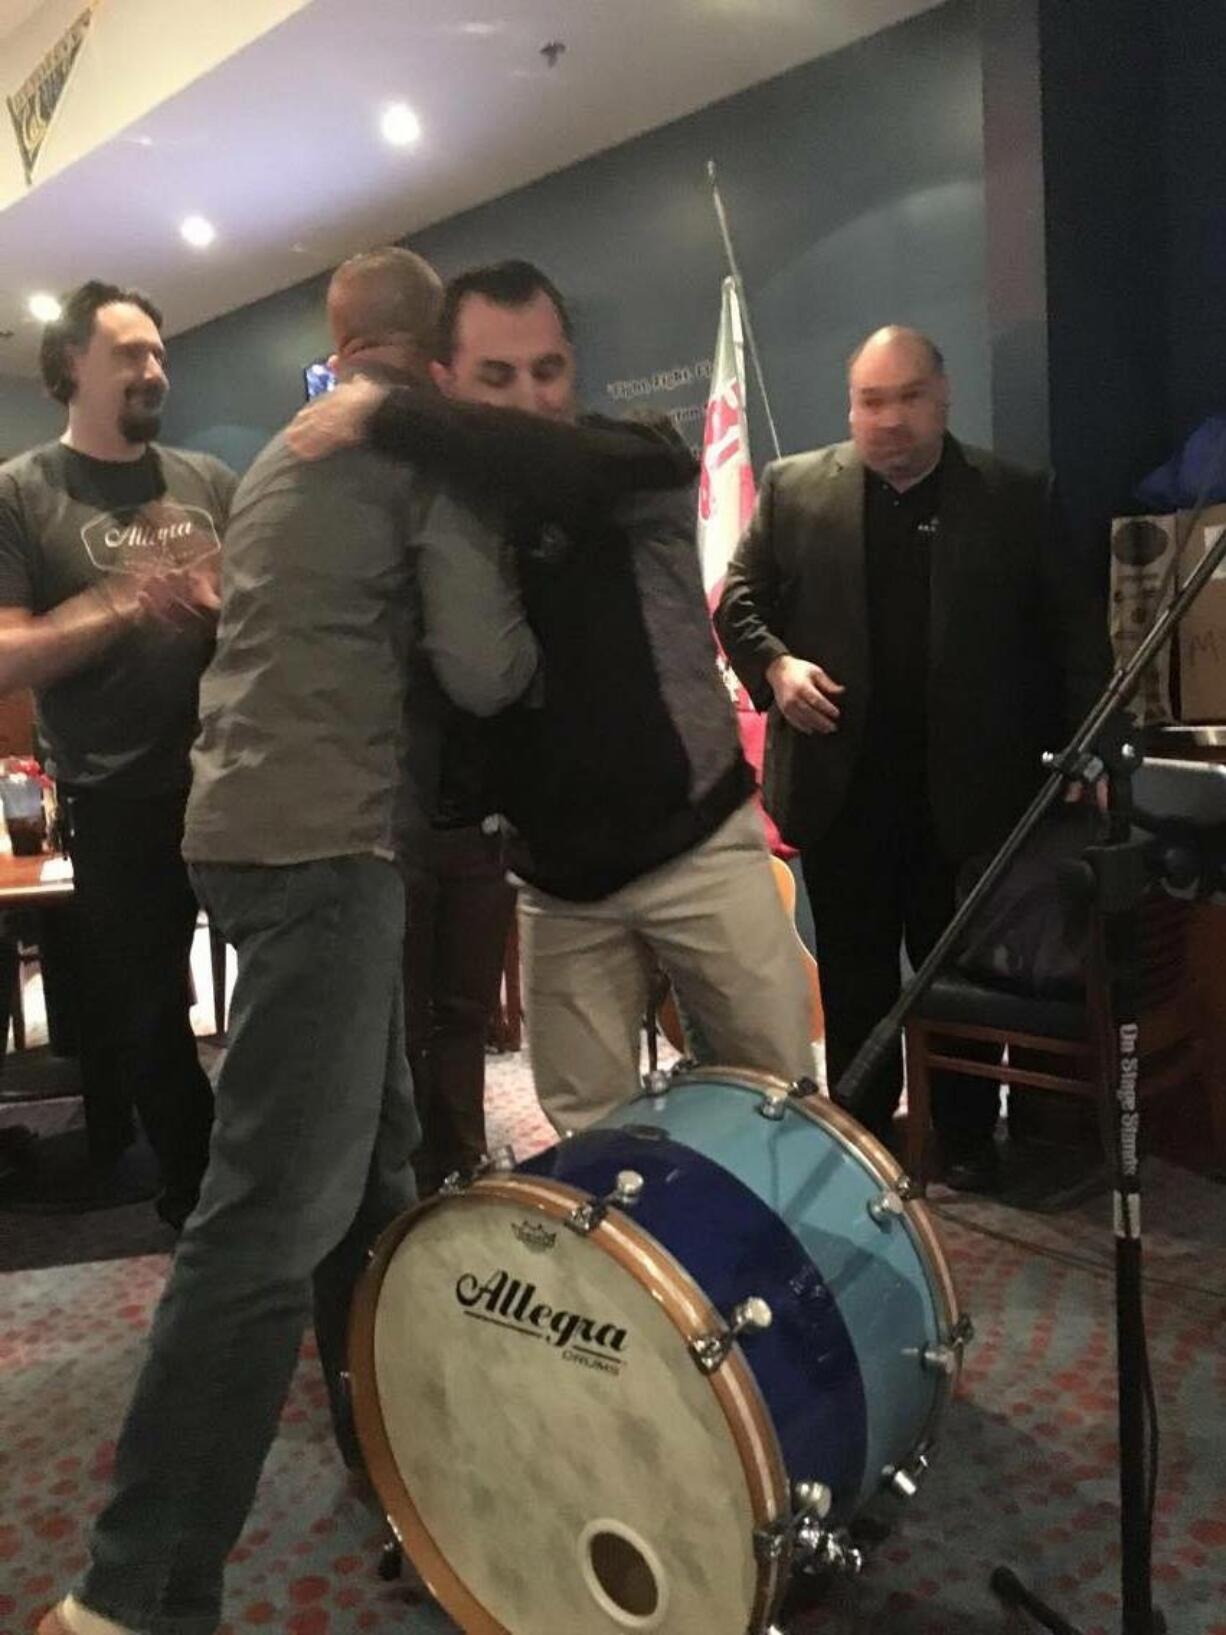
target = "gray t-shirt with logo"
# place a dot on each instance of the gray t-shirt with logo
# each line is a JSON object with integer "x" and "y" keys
{"x": 125, "y": 721}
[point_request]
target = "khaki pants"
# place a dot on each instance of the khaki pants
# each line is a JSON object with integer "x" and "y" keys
{"x": 714, "y": 921}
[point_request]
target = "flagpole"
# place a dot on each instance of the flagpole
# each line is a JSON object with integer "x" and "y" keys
{"x": 746, "y": 320}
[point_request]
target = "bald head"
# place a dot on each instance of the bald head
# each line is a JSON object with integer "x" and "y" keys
{"x": 899, "y": 403}
{"x": 383, "y": 307}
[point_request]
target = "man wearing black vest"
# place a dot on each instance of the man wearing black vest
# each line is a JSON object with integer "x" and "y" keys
{"x": 912, "y": 615}
{"x": 634, "y": 835}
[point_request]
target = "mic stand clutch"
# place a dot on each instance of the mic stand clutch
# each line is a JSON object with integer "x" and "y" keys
{"x": 1119, "y": 871}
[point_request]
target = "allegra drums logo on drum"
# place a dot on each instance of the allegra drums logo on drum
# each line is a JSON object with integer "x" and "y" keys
{"x": 513, "y": 1304}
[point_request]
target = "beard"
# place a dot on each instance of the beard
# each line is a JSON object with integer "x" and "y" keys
{"x": 140, "y": 419}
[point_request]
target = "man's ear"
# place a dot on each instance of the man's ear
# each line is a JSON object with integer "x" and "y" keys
{"x": 441, "y": 375}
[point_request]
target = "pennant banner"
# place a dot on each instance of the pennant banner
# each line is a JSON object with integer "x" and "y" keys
{"x": 33, "y": 107}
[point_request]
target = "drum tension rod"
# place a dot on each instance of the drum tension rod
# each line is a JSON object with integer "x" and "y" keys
{"x": 749, "y": 1317}
{"x": 584, "y": 1218}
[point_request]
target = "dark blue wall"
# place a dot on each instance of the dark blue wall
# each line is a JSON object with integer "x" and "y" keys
{"x": 27, "y": 415}
{"x": 855, "y": 188}
{"x": 1107, "y": 291}
{"x": 1192, "y": 236}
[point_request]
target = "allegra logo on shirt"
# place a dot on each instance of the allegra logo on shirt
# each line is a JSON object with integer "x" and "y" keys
{"x": 160, "y": 534}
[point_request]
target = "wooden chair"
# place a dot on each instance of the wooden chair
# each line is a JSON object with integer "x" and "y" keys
{"x": 1053, "y": 1044}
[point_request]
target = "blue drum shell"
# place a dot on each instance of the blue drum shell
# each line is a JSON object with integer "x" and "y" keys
{"x": 779, "y": 1209}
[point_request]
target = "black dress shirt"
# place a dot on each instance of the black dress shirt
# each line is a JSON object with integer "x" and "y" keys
{"x": 899, "y": 531}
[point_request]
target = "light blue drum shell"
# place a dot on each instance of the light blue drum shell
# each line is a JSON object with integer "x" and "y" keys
{"x": 894, "y": 1299}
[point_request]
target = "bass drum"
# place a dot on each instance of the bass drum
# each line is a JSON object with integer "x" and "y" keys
{"x": 590, "y": 1389}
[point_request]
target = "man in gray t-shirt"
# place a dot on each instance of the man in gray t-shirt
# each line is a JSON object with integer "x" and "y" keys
{"x": 342, "y": 582}
{"x": 109, "y": 547}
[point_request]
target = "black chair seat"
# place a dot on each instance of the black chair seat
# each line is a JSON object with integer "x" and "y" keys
{"x": 956, "y": 999}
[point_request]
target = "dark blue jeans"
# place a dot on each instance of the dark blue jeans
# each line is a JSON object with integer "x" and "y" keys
{"x": 310, "y": 1159}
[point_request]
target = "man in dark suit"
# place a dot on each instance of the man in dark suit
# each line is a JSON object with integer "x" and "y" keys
{"x": 914, "y": 619}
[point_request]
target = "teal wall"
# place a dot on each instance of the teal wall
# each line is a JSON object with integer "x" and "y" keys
{"x": 27, "y": 416}
{"x": 855, "y": 188}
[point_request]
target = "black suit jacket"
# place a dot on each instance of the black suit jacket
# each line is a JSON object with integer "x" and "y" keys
{"x": 1017, "y": 636}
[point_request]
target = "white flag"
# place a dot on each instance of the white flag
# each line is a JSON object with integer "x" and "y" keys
{"x": 726, "y": 490}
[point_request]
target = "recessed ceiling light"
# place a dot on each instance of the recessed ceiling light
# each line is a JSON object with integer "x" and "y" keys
{"x": 44, "y": 307}
{"x": 480, "y": 29}
{"x": 197, "y": 232}
{"x": 400, "y": 125}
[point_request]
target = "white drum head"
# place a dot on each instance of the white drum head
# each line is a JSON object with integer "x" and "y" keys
{"x": 536, "y": 1405}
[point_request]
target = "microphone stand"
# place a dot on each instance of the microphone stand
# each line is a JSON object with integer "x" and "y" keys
{"x": 1119, "y": 869}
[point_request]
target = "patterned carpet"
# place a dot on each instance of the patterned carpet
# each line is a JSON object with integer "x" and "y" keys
{"x": 1025, "y": 1472}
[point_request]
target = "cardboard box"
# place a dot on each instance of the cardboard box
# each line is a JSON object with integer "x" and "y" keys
{"x": 1142, "y": 549}
{"x": 1187, "y": 680}
{"x": 1202, "y": 635}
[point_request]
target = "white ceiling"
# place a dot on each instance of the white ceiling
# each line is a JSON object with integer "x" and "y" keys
{"x": 13, "y": 13}
{"x": 278, "y": 146}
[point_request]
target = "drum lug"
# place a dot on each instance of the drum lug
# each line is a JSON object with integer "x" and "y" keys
{"x": 941, "y": 1359}
{"x": 584, "y": 1218}
{"x": 499, "y": 1162}
{"x": 886, "y": 1208}
{"x": 803, "y": 1088}
{"x": 772, "y": 1107}
{"x": 906, "y": 1188}
{"x": 946, "y": 1358}
{"x": 749, "y": 1317}
{"x": 905, "y": 1479}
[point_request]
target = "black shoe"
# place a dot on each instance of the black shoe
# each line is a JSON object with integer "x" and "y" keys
{"x": 975, "y": 1171}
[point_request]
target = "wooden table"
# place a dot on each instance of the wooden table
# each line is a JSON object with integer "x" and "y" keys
{"x": 22, "y": 884}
